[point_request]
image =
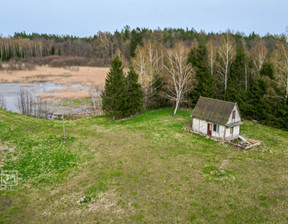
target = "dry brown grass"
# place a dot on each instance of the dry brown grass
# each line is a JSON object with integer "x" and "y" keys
{"x": 66, "y": 94}
{"x": 93, "y": 75}
{"x": 69, "y": 93}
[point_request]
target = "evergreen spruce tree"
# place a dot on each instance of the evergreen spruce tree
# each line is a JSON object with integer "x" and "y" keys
{"x": 237, "y": 69}
{"x": 136, "y": 39}
{"x": 255, "y": 105}
{"x": 134, "y": 93}
{"x": 114, "y": 97}
{"x": 204, "y": 87}
{"x": 267, "y": 70}
{"x": 236, "y": 82}
{"x": 158, "y": 98}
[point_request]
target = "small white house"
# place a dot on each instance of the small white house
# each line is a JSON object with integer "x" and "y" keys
{"x": 216, "y": 118}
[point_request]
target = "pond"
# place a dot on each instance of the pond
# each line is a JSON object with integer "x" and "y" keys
{"x": 57, "y": 99}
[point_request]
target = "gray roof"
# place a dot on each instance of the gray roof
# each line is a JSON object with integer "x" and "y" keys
{"x": 213, "y": 110}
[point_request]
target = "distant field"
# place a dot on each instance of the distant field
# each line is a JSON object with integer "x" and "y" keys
{"x": 67, "y": 75}
{"x": 143, "y": 169}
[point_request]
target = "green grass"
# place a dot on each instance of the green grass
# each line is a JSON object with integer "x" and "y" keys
{"x": 143, "y": 169}
{"x": 83, "y": 101}
{"x": 66, "y": 75}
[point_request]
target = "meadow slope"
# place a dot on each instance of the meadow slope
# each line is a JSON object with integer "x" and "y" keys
{"x": 143, "y": 169}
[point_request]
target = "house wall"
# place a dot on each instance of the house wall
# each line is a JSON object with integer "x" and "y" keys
{"x": 219, "y": 134}
{"x": 199, "y": 125}
{"x": 237, "y": 115}
{"x": 236, "y": 132}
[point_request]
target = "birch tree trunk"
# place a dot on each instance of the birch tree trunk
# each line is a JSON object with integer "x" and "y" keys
{"x": 281, "y": 62}
{"x": 180, "y": 74}
{"x": 211, "y": 53}
{"x": 226, "y": 54}
{"x": 176, "y": 107}
{"x": 148, "y": 63}
{"x": 246, "y": 75}
{"x": 259, "y": 54}
{"x": 246, "y": 66}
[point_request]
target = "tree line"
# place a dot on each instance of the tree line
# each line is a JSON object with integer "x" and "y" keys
{"x": 179, "y": 65}
{"x": 103, "y": 45}
{"x": 223, "y": 67}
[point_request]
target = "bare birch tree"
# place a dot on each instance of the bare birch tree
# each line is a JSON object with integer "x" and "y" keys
{"x": 246, "y": 63}
{"x": 25, "y": 102}
{"x": 154, "y": 64}
{"x": 211, "y": 56}
{"x": 281, "y": 62}
{"x": 148, "y": 63}
{"x": 102, "y": 45}
{"x": 259, "y": 54}
{"x": 95, "y": 92}
{"x": 139, "y": 64}
{"x": 180, "y": 74}
{"x": 226, "y": 54}
{"x": 2, "y": 103}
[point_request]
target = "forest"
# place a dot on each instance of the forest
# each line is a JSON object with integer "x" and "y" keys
{"x": 176, "y": 66}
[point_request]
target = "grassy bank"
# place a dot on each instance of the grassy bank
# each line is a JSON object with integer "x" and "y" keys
{"x": 140, "y": 169}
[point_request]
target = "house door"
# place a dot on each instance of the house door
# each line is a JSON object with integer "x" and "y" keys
{"x": 209, "y": 129}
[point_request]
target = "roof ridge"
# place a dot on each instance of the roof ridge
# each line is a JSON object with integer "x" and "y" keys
{"x": 218, "y": 100}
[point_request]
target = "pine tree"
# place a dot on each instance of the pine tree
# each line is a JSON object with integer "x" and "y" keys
{"x": 134, "y": 93}
{"x": 114, "y": 97}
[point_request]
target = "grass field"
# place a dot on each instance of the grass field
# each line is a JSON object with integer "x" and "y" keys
{"x": 143, "y": 169}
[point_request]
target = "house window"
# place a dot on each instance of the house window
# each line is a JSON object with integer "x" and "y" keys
{"x": 231, "y": 131}
{"x": 216, "y": 127}
{"x": 233, "y": 114}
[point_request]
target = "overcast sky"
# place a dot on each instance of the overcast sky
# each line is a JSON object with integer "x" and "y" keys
{"x": 87, "y": 17}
